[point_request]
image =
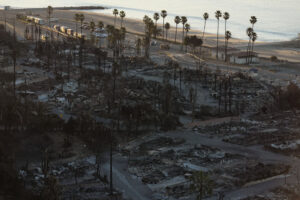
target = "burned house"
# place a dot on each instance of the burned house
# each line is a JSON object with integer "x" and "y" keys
{"x": 222, "y": 52}
{"x": 244, "y": 57}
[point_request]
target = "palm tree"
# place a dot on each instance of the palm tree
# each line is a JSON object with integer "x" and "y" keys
{"x": 163, "y": 14}
{"x": 187, "y": 28}
{"x": 138, "y": 45}
{"x": 156, "y": 18}
{"x": 115, "y": 13}
{"x": 177, "y": 20}
{"x": 92, "y": 28}
{"x": 226, "y": 16}
{"x": 254, "y": 38}
{"x": 14, "y": 56}
{"x": 149, "y": 28}
{"x": 81, "y": 19}
{"x": 205, "y": 17}
{"x": 100, "y": 25}
{"x": 49, "y": 12}
{"x": 77, "y": 19}
{"x": 167, "y": 27}
{"x": 227, "y": 37}
{"x": 122, "y": 15}
{"x": 183, "y": 21}
{"x": 249, "y": 32}
{"x": 218, "y": 14}
{"x": 253, "y": 20}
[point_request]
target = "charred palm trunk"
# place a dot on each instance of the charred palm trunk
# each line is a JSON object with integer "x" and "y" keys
{"x": 217, "y": 55}
{"x": 225, "y": 96}
{"x": 180, "y": 73}
{"x": 163, "y": 27}
{"x": 202, "y": 38}
{"x": 176, "y": 33}
{"x": 248, "y": 50}
{"x": 230, "y": 95}
{"x": 220, "y": 97}
{"x": 252, "y": 52}
{"x": 182, "y": 37}
{"x": 225, "y": 41}
{"x": 110, "y": 161}
{"x": 14, "y": 60}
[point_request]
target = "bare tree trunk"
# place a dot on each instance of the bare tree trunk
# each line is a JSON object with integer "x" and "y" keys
{"x": 217, "y": 55}
{"x": 176, "y": 33}
{"x": 111, "y": 173}
{"x": 220, "y": 96}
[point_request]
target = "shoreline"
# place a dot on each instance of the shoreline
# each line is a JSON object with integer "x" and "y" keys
{"x": 210, "y": 38}
{"x": 96, "y": 10}
{"x": 285, "y": 50}
{"x": 65, "y": 8}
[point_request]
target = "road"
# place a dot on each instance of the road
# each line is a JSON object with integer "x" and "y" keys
{"x": 186, "y": 61}
{"x": 132, "y": 188}
{"x": 254, "y": 152}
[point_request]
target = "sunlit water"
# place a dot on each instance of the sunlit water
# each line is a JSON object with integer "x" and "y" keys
{"x": 277, "y": 19}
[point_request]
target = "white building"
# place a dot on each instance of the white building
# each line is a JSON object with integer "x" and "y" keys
{"x": 242, "y": 57}
{"x": 101, "y": 36}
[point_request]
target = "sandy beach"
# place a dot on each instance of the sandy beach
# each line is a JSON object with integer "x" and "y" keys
{"x": 132, "y": 25}
{"x": 288, "y": 51}
{"x": 282, "y": 50}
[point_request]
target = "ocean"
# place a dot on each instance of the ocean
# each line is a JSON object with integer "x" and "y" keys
{"x": 278, "y": 20}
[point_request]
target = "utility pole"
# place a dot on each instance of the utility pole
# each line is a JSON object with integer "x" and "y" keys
{"x": 180, "y": 80}
{"x": 297, "y": 175}
{"x": 111, "y": 175}
{"x": 14, "y": 57}
{"x": 4, "y": 20}
{"x": 111, "y": 132}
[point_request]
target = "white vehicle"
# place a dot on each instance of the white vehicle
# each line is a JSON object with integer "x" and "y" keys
{"x": 53, "y": 20}
{"x": 35, "y": 20}
{"x": 79, "y": 35}
{"x": 44, "y": 37}
{"x": 56, "y": 27}
{"x": 70, "y": 31}
{"x": 63, "y": 29}
{"x": 39, "y": 21}
{"x": 101, "y": 35}
{"x": 30, "y": 18}
{"x": 101, "y": 30}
